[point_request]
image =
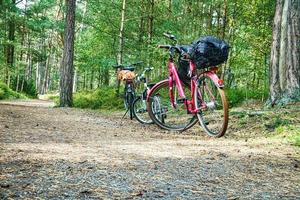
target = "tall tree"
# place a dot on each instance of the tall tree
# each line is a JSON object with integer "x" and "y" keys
{"x": 121, "y": 34}
{"x": 285, "y": 53}
{"x": 67, "y": 67}
{"x": 121, "y": 41}
{"x": 10, "y": 50}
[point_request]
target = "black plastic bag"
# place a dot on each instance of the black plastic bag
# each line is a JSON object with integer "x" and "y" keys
{"x": 209, "y": 51}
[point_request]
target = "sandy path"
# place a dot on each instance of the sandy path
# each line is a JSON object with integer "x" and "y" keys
{"x": 70, "y": 153}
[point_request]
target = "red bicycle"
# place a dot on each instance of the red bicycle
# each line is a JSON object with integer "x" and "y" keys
{"x": 173, "y": 105}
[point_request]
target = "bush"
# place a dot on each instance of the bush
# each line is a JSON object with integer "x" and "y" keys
{"x": 101, "y": 98}
{"x": 7, "y": 93}
{"x": 2, "y": 93}
{"x": 29, "y": 88}
{"x": 291, "y": 132}
{"x": 236, "y": 96}
{"x": 296, "y": 139}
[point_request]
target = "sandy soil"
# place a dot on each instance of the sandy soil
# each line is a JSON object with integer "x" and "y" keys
{"x": 68, "y": 153}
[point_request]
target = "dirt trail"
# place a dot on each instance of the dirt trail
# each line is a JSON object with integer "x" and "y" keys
{"x": 70, "y": 153}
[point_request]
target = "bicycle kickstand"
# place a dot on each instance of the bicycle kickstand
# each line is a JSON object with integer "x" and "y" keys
{"x": 125, "y": 113}
{"x": 192, "y": 119}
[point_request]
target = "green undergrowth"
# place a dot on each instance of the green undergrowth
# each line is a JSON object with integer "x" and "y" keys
{"x": 102, "y": 98}
{"x": 7, "y": 93}
{"x": 289, "y": 132}
{"x": 255, "y": 121}
{"x": 237, "y": 96}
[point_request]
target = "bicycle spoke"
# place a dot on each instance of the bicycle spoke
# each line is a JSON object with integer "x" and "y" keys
{"x": 167, "y": 114}
{"x": 214, "y": 116}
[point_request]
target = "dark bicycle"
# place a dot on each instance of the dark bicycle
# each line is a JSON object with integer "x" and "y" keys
{"x": 127, "y": 75}
{"x": 140, "y": 105}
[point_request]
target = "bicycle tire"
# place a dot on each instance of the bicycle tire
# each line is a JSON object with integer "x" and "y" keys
{"x": 129, "y": 98}
{"x": 214, "y": 118}
{"x": 140, "y": 111}
{"x": 163, "y": 114}
{"x": 125, "y": 99}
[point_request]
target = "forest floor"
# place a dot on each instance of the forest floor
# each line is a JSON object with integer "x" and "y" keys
{"x": 66, "y": 153}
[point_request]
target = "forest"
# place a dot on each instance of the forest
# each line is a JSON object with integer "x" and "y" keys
{"x": 32, "y": 32}
{"x": 64, "y": 132}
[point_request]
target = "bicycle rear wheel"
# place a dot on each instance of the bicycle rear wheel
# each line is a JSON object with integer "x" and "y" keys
{"x": 125, "y": 99}
{"x": 140, "y": 111}
{"x": 214, "y": 117}
{"x": 129, "y": 100}
{"x": 164, "y": 114}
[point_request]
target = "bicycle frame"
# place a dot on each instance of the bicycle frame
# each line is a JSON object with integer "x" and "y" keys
{"x": 173, "y": 77}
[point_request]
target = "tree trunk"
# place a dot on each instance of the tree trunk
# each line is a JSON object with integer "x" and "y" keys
{"x": 92, "y": 80}
{"x": 121, "y": 33}
{"x": 224, "y": 34}
{"x": 10, "y": 50}
{"x": 45, "y": 81}
{"x": 67, "y": 68}
{"x": 284, "y": 63}
{"x": 150, "y": 32}
{"x": 224, "y": 19}
{"x": 151, "y": 21}
{"x": 142, "y": 22}
{"x": 75, "y": 81}
{"x": 170, "y": 8}
{"x": 121, "y": 42}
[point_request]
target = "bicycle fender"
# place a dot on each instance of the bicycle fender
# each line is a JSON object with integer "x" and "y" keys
{"x": 155, "y": 86}
{"x": 218, "y": 82}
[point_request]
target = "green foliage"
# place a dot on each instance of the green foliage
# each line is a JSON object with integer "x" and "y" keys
{"x": 7, "y": 93}
{"x": 101, "y": 98}
{"x": 291, "y": 132}
{"x": 236, "y": 96}
{"x": 2, "y": 93}
{"x": 295, "y": 139}
{"x": 247, "y": 27}
{"x": 29, "y": 88}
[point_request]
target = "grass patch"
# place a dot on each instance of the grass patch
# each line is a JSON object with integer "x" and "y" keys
{"x": 289, "y": 132}
{"x": 7, "y": 93}
{"x": 54, "y": 98}
{"x": 295, "y": 139}
{"x": 102, "y": 98}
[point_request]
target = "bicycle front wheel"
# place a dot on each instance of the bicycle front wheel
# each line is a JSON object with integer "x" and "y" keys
{"x": 212, "y": 101}
{"x": 167, "y": 114}
{"x": 140, "y": 111}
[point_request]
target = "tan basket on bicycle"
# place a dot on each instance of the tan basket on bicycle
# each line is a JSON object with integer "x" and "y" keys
{"x": 125, "y": 75}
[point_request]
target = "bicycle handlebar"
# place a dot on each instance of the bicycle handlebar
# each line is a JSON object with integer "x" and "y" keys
{"x": 170, "y": 36}
{"x": 148, "y": 69}
{"x": 141, "y": 77}
{"x": 122, "y": 66}
{"x": 170, "y": 48}
{"x": 164, "y": 46}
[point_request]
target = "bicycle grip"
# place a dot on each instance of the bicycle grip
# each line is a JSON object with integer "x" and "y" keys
{"x": 167, "y": 35}
{"x": 164, "y": 46}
